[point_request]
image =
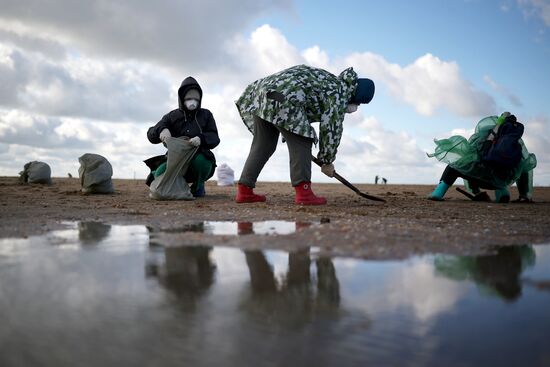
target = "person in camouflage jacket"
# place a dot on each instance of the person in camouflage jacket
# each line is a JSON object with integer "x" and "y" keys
{"x": 287, "y": 103}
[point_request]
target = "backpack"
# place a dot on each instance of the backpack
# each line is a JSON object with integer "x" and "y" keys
{"x": 504, "y": 152}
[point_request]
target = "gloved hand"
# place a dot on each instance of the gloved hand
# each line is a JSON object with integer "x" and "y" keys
{"x": 196, "y": 141}
{"x": 164, "y": 134}
{"x": 328, "y": 169}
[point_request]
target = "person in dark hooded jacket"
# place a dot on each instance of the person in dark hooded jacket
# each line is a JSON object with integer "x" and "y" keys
{"x": 197, "y": 124}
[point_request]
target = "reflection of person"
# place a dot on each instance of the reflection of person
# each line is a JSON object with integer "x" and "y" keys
{"x": 245, "y": 228}
{"x": 500, "y": 273}
{"x": 262, "y": 278}
{"x": 469, "y": 159}
{"x": 286, "y": 103}
{"x": 187, "y": 271}
{"x": 92, "y": 232}
{"x": 327, "y": 284}
{"x": 295, "y": 293}
{"x": 196, "y": 123}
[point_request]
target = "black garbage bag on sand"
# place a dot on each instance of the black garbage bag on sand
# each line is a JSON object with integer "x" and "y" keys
{"x": 95, "y": 174}
{"x": 171, "y": 185}
{"x": 36, "y": 172}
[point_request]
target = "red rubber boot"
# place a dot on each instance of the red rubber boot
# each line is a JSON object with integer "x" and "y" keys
{"x": 304, "y": 195}
{"x": 245, "y": 194}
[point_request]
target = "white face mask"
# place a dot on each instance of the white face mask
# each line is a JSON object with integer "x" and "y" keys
{"x": 351, "y": 108}
{"x": 191, "y": 104}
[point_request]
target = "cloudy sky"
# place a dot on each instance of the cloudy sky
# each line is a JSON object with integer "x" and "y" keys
{"x": 92, "y": 76}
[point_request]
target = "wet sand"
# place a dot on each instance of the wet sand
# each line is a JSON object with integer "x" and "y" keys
{"x": 406, "y": 225}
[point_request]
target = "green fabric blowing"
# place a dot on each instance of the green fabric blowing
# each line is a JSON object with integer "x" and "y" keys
{"x": 464, "y": 155}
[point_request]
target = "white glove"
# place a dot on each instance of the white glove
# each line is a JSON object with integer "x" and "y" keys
{"x": 328, "y": 169}
{"x": 164, "y": 134}
{"x": 196, "y": 141}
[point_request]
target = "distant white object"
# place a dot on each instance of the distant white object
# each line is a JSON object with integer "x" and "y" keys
{"x": 226, "y": 175}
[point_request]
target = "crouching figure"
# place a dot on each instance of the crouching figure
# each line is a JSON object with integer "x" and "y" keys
{"x": 493, "y": 158}
{"x": 193, "y": 123}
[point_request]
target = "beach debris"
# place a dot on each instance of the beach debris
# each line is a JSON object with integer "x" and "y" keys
{"x": 95, "y": 174}
{"x": 226, "y": 175}
{"x": 36, "y": 172}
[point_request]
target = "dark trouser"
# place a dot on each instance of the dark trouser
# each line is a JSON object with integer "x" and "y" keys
{"x": 450, "y": 175}
{"x": 263, "y": 146}
{"x": 200, "y": 170}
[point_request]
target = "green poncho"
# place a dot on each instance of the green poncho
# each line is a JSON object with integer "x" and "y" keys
{"x": 305, "y": 95}
{"x": 464, "y": 156}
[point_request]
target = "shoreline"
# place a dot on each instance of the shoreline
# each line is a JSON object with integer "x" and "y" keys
{"x": 406, "y": 225}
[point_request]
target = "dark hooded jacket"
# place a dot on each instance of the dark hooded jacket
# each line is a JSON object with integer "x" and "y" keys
{"x": 182, "y": 122}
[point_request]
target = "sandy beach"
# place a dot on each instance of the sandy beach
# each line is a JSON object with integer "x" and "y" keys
{"x": 349, "y": 225}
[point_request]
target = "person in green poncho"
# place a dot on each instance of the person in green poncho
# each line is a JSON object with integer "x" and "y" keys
{"x": 493, "y": 158}
{"x": 287, "y": 103}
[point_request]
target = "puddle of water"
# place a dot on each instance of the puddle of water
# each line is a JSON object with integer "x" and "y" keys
{"x": 101, "y": 295}
{"x": 228, "y": 228}
{"x": 269, "y": 227}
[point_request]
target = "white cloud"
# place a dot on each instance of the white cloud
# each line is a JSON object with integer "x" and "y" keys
{"x": 462, "y": 132}
{"x": 502, "y": 90}
{"x": 428, "y": 84}
{"x": 21, "y": 128}
{"x": 34, "y": 43}
{"x": 368, "y": 149}
{"x": 537, "y": 8}
{"x": 537, "y": 140}
{"x": 316, "y": 57}
{"x": 34, "y": 137}
{"x": 266, "y": 51}
{"x": 81, "y": 87}
{"x": 164, "y": 31}
{"x": 413, "y": 287}
{"x": 427, "y": 295}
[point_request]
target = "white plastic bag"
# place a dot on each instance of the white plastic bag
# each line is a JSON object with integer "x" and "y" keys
{"x": 226, "y": 175}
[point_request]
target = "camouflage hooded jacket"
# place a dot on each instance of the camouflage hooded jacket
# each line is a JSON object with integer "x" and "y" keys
{"x": 298, "y": 96}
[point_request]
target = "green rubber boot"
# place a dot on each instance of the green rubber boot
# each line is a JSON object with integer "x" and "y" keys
{"x": 439, "y": 192}
{"x": 502, "y": 195}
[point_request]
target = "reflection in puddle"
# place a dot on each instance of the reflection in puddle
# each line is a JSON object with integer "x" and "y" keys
{"x": 269, "y": 227}
{"x": 498, "y": 274}
{"x": 228, "y": 228}
{"x": 115, "y": 300}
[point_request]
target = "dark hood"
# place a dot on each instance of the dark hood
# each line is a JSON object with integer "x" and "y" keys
{"x": 188, "y": 83}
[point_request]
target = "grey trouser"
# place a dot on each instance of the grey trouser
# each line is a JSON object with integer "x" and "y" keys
{"x": 263, "y": 146}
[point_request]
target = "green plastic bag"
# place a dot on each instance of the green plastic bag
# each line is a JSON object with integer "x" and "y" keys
{"x": 464, "y": 155}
